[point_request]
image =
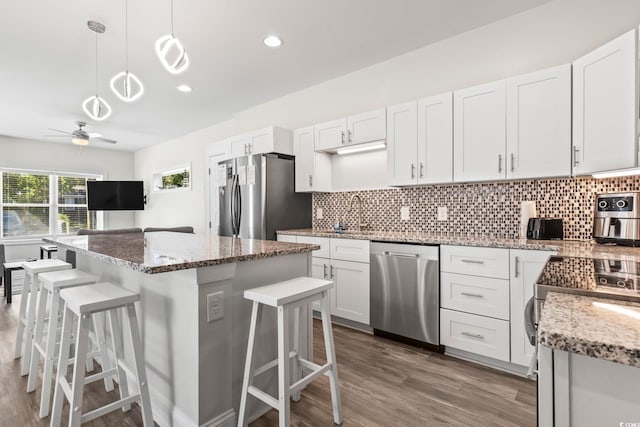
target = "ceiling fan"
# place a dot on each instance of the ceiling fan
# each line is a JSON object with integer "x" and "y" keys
{"x": 81, "y": 136}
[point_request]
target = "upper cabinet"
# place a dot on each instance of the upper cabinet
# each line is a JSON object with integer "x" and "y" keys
{"x": 268, "y": 140}
{"x": 605, "y": 107}
{"x": 420, "y": 141}
{"x": 539, "y": 124}
{"x": 479, "y": 136}
{"x": 358, "y": 129}
{"x": 313, "y": 170}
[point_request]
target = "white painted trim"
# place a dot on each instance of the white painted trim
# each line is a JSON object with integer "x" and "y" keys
{"x": 226, "y": 419}
{"x": 500, "y": 365}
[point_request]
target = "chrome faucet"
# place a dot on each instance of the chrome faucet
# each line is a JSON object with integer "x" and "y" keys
{"x": 361, "y": 225}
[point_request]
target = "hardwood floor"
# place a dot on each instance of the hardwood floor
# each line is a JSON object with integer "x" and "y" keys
{"x": 383, "y": 383}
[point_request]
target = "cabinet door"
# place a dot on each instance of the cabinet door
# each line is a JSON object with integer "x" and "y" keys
{"x": 239, "y": 146}
{"x": 367, "y": 127}
{"x": 350, "y": 299}
{"x": 287, "y": 238}
{"x": 304, "y": 152}
{"x": 330, "y": 135}
{"x": 539, "y": 124}
{"x": 402, "y": 144}
{"x": 525, "y": 269}
{"x": 435, "y": 139}
{"x": 350, "y": 249}
{"x": 605, "y": 107}
{"x": 320, "y": 268}
{"x": 479, "y": 133}
{"x": 261, "y": 141}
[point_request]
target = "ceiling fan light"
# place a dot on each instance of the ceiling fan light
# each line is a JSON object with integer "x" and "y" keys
{"x": 127, "y": 86}
{"x": 172, "y": 54}
{"x": 77, "y": 140}
{"x": 96, "y": 108}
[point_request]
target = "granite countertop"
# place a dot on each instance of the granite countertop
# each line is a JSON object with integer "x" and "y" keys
{"x": 574, "y": 248}
{"x": 595, "y": 327}
{"x": 161, "y": 252}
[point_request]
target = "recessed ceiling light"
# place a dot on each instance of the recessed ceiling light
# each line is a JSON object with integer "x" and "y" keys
{"x": 273, "y": 41}
{"x": 184, "y": 88}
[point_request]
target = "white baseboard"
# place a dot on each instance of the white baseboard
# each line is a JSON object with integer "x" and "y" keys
{"x": 510, "y": 368}
{"x": 226, "y": 419}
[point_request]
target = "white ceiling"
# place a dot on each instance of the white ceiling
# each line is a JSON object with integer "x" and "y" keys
{"x": 47, "y": 55}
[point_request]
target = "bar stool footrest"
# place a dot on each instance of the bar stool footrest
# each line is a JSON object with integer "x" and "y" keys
{"x": 270, "y": 365}
{"x": 321, "y": 370}
{"x": 100, "y": 376}
{"x": 266, "y": 398}
{"x": 96, "y": 413}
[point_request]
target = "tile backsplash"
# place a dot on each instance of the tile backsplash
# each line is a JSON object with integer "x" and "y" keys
{"x": 474, "y": 209}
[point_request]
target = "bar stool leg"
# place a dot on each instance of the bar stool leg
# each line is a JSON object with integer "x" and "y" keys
{"x": 63, "y": 361}
{"x": 141, "y": 373}
{"x": 35, "y": 359}
{"x": 284, "y": 390}
{"x": 98, "y": 327}
{"x": 247, "y": 381}
{"x": 331, "y": 358}
{"x": 23, "y": 309}
{"x": 77, "y": 386}
{"x": 50, "y": 349}
{"x": 297, "y": 370}
{"x": 31, "y": 317}
{"x": 123, "y": 386}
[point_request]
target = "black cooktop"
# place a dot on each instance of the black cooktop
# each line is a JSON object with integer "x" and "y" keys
{"x": 610, "y": 278}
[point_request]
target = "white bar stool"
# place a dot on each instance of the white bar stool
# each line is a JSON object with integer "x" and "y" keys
{"x": 52, "y": 283}
{"x": 284, "y": 296}
{"x": 83, "y": 302}
{"x": 27, "y": 316}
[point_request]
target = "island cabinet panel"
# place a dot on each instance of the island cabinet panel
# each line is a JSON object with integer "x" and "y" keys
{"x": 351, "y": 293}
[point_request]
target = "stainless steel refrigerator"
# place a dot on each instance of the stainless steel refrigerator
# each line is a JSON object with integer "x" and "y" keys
{"x": 257, "y": 197}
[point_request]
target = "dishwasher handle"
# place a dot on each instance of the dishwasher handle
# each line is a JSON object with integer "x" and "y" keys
{"x": 389, "y": 253}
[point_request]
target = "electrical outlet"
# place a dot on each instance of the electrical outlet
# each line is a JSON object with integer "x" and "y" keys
{"x": 404, "y": 213}
{"x": 215, "y": 306}
{"x": 442, "y": 213}
{"x": 319, "y": 213}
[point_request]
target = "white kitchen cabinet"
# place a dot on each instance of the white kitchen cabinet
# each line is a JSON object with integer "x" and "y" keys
{"x": 435, "y": 139}
{"x": 539, "y": 124}
{"x": 485, "y": 296}
{"x": 420, "y": 141}
{"x": 402, "y": 144}
{"x": 366, "y": 127}
{"x": 350, "y": 250}
{"x": 313, "y": 170}
{"x": 526, "y": 266}
{"x": 268, "y": 140}
{"x": 287, "y": 238}
{"x": 605, "y": 107}
{"x": 323, "y": 242}
{"x": 479, "y": 133}
{"x": 351, "y": 292}
{"x": 475, "y": 261}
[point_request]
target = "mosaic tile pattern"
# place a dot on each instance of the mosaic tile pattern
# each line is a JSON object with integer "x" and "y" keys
{"x": 474, "y": 209}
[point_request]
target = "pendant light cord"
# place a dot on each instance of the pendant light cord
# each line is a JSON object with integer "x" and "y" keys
{"x": 126, "y": 34}
{"x": 96, "y": 64}
{"x": 171, "y": 17}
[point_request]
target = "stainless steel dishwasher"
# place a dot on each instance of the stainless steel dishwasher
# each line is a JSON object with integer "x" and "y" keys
{"x": 405, "y": 291}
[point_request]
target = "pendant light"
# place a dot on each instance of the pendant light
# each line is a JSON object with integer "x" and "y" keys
{"x": 125, "y": 84}
{"x": 96, "y": 107}
{"x": 171, "y": 52}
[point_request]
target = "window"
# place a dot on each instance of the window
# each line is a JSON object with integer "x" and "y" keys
{"x": 177, "y": 178}
{"x": 38, "y": 203}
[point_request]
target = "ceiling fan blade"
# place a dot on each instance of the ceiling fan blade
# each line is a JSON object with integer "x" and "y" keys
{"x": 54, "y": 136}
{"x": 61, "y": 131}
{"x": 100, "y": 139}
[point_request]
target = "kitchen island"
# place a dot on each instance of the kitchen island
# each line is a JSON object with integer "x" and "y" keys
{"x": 194, "y": 363}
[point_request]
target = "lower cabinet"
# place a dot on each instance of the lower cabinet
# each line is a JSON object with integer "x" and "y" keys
{"x": 476, "y": 334}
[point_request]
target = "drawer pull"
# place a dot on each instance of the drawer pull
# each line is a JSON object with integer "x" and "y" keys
{"x": 472, "y": 261}
{"x": 324, "y": 267}
{"x": 468, "y": 294}
{"x": 472, "y": 335}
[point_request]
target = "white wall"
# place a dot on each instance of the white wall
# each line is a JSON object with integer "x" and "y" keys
{"x": 555, "y": 33}
{"x": 184, "y": 207}
{"x": 52, "y": 156}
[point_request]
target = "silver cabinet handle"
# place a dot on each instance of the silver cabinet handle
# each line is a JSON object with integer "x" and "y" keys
{"x": 413, "y": 171}
{"x": 350, "y": 137}
{"x": 513, "y": 162}
{"x": 517, "y": 272}
{"x": 468, "y": 294}
{"x": 342, "y": 136}
{"x": 388, "y": 253}
{"x": 499, "y": 163}
{"x": 324, "y": 268}
{"x": 576, "y": 152}
{"x": 245, "y": 149}
{"x": 332, "y": 272}
{"x": 310, "y": 180}
{"x": 472, "y": 261}
{"x": 421, "y": 170}
{"x": 472, "y": 335}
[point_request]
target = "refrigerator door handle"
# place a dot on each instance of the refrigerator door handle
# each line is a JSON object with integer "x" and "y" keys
{"x": 237, "y": 205}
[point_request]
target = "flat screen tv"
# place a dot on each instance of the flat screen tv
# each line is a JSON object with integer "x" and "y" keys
{"x": 115, "y": 195}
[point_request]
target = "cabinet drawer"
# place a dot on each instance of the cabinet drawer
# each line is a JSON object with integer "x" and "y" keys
{"x": 487, "y": 262}
{"x": 323, "y": 242}
{"x": 287, "y": 238}
{"x": 475, "y": 295}
{"x": 349, "y": 250}
{"x": 476, "y": 334}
